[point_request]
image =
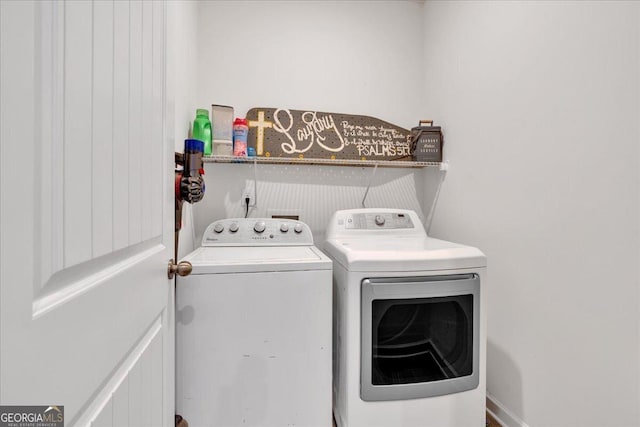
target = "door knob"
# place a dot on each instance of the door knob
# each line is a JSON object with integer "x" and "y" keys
{"x": 183, "y": 268}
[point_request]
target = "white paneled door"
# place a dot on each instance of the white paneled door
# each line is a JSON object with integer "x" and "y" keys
{"x": 86, "y": 314}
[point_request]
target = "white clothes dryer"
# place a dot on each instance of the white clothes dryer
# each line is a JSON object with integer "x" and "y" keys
{"x": 253, "y": 327}
{"x": 409, "y": 323}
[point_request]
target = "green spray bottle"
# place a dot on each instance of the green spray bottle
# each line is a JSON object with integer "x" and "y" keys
{"x": 202, "y": 129}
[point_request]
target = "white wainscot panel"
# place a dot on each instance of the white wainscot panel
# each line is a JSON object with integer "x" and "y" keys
{"x": 131, "y": 397}
{"x": 100, "y": 114}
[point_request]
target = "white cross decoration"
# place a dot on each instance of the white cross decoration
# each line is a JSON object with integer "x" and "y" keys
{"x": 261, "y": 124}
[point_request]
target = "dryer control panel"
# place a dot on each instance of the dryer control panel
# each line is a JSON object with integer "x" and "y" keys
{"x": 257, "y": 232}
{"x": 376, "y": 220}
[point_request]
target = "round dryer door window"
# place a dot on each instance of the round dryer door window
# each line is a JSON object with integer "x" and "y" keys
{"x": 421, "y": 340}
{"x": 419, "y": 336}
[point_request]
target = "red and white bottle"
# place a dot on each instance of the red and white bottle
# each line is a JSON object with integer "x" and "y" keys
{"x": 240, "y": 132}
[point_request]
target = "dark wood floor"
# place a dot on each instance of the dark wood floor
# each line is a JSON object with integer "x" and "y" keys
{"x": 491, "y": 422}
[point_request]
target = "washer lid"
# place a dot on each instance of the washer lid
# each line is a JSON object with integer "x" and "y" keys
{"x": 403, "y": 254}
{"x": 249, "y": 259}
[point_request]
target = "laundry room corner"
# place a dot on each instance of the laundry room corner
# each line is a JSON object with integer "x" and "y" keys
{"x": 541, "y": 137}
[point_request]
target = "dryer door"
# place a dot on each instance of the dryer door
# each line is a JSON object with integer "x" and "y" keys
{"x": 419, "y": 336}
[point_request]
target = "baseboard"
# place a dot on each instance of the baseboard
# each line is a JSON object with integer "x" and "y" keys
{"x": 502, "y": 414}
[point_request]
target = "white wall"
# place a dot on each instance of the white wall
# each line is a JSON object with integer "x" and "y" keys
{"x": 355, "y": 57}
{"x": 182, "y": 16}
{"x": 540, "y": 103}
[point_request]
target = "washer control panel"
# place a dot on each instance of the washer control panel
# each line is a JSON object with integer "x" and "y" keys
{"x": 257, "y": 232}
{"x": 377, "y": 220}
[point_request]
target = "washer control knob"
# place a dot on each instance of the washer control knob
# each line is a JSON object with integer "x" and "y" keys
{"x": 284, "y": 227}
{"x": 259, "y": 227}
{"x": 298, "y": 228}
{"x": 379, "y": 220}
{"x": 233, "y": 227}
{"x": 218, "y": 228}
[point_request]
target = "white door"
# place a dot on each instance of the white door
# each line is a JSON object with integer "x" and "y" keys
{"x": 87, "y": 211}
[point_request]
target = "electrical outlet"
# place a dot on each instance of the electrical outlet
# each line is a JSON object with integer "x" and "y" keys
{"x": 248, "y": 193}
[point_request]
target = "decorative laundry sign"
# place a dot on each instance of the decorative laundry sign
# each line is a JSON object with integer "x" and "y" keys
{"x": 278, "y": 132}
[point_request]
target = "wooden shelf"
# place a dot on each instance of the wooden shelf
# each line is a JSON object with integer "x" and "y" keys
{"x": 326, "y": 162}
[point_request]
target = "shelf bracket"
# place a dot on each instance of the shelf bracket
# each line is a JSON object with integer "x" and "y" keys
{"x": 375, "y": 168}
{"x": 444, "y": 168}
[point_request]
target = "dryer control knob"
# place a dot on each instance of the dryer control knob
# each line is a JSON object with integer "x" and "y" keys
{"x": 297, "y": 228}
{"x": 218, "y": 228}
{"x": 259, "y": 227}
{"x": 233, "y": 227}
{"x": 284, "y": 228}
{"x": 379, "y": 220}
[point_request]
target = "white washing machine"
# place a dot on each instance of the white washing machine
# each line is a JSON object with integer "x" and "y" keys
{"x": 253, "y": 327}
{"x": 409, "y": 323}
